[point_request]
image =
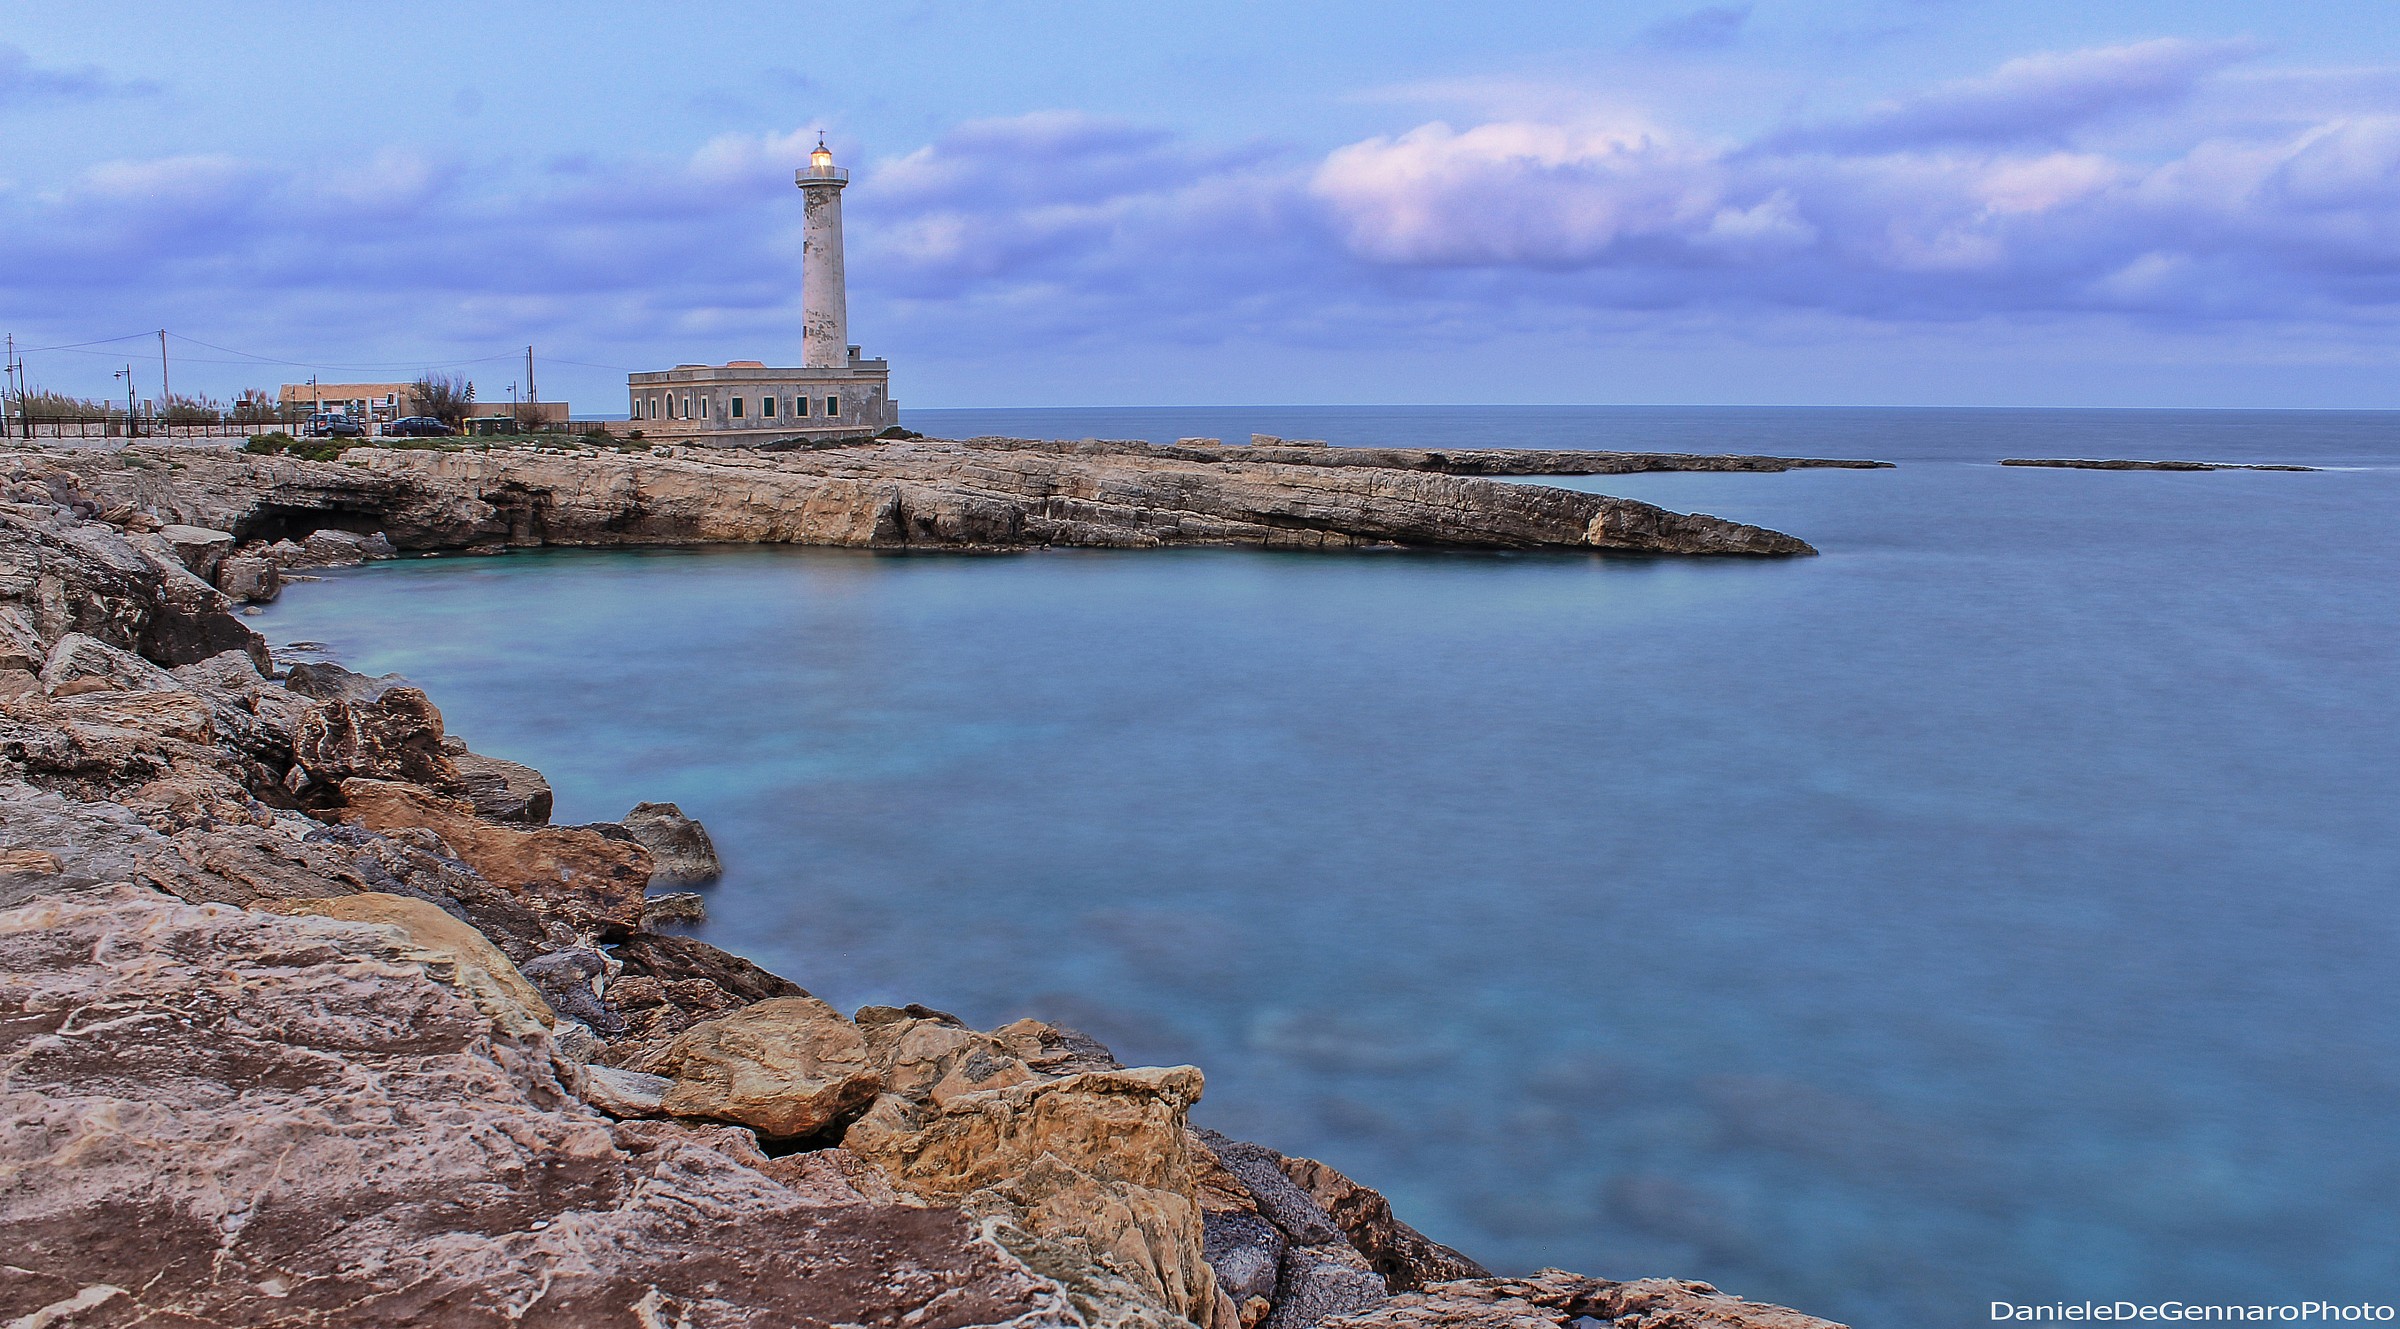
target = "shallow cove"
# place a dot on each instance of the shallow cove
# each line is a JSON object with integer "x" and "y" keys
{"x": 1997, "y": 907}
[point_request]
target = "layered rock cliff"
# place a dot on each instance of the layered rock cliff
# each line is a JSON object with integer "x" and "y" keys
{"x": 990, "y": 494}
{"x": 309, "y": 1016}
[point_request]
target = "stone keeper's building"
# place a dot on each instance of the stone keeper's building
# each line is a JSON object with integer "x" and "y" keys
{"x": 834, "y": 392}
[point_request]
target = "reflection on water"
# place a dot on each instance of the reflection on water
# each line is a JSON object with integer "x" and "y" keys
{"x": 1998, "y": 906}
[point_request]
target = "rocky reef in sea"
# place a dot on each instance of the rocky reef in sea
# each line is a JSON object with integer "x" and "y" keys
{"x": 310, "y": 1015}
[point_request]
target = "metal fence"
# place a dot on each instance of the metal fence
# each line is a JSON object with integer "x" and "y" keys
{"x": 113, "y": 426}
{"x": 104, "y": 427}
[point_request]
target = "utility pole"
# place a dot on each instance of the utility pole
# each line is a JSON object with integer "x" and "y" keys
{"x": 8, "y": 377}
{"x": 530, "y": 395}
{"x": 166, "y": 395}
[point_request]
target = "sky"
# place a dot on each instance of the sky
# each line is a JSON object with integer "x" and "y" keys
{"x": 1905, "y": 202}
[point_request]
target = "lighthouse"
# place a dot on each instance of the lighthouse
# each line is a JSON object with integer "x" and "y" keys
{"x": 833, "y": 394}
{"x": 824, "y": 308}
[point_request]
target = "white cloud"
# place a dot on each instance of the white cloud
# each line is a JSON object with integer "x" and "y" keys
{"x": 1961, "y": 204}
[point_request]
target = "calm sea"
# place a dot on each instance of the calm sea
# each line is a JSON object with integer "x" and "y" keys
{"x": 2001, "y": 906}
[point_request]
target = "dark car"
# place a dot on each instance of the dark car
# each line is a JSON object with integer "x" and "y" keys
{"x": 417, "y": 426}
{"x": 334, "y": 426}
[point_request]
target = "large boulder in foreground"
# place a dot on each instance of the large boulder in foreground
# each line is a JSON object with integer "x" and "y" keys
{"x": 216, "y": 1116}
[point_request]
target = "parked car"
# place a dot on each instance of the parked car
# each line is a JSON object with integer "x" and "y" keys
{"x": 332, "y": 426}
{"x": 417, "y": 426}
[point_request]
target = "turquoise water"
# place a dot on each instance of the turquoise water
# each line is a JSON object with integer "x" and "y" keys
{"x": 2000, "y": 906}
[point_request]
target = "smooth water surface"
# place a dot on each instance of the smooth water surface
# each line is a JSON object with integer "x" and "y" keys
{"x": 1999, "y": 906}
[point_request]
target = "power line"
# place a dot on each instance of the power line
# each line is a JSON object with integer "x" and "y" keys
{"x": 69, "y": 346}
{"x": 252, "y": 357}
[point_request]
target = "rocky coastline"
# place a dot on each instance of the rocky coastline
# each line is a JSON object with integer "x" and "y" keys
{"x": 2121, "y": 464}
{"x": 918, "y": 494}
{"x": 309, "y": 1015}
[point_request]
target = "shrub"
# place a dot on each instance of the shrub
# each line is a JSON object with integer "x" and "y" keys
{"x": 306, "y": 449}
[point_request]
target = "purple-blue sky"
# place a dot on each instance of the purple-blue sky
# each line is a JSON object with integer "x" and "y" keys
{"x": 1851, "y": 201}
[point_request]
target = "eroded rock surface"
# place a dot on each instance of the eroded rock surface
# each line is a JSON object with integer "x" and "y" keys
{"x": 678, "y": 845}
{"x": 1554, "y": 1299}
{"x": 210, "y": 1115}
{"x": 991, "y": 493}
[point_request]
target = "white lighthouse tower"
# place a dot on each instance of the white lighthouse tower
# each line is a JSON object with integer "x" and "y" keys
{"x": 824, "y": 308}
{"x": 833, "y": 394}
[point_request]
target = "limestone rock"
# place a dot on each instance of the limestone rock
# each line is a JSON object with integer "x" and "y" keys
{"x": 200, "y": 548}
{"x": 477, "y": 967}
{"x": 1320, "y": 1271}
{"x": 1085, "y": 1177}
{"x": 397, "y": 736}
{"x": 579, "y": 876}
{"x": 79, "y": 663}
{"x": 670, "y": 959}
{"x": 789, "y": 1068}
{"x": 673, "y": 907}
{"x": 622, "y": 1093}
{"x": 60, "y": 574}
{"x": 928, "y": 1056}
{"x": 1246, "y": 1252}
{"x": 333, "y": 549}
{"x": 304, "y": 1122}
{"x": 572, "y": 980}
{"x": 326, "y": 681}
{"x": 1406, "y": 1258}
{"x": 21, "y": 648}
{"x": 416, "y": 863}
{"x": 285, "y": 554}
{"x": 670, "y": 983}
{"x": 680, "y": 845}
{"x": 503, "y": 790}
{"x": 980, "y": 493}
{"x": 249, "y": 579}
{"x": 1054, "y": 1049}
{"x": 1554, "y": 1299}
{"x": 1321, "y": 1283}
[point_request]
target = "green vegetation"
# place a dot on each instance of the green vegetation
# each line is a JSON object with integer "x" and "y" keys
{"x": 306, "y": 449}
